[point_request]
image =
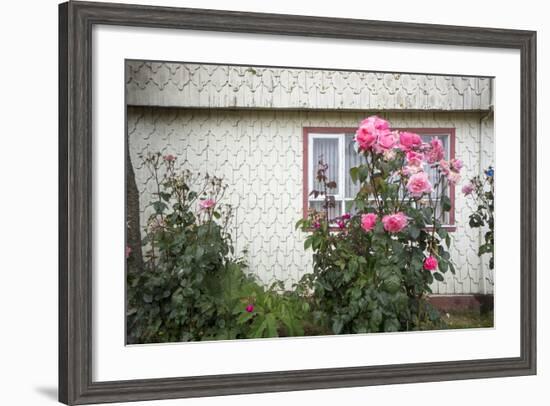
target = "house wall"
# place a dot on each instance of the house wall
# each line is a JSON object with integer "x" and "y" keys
{"x": 259, "y": 154}
{"x": 231, "y": 86}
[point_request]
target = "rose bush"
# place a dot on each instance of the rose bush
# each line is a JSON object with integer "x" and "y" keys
{"x": 375, "y": 272}
{"x": 192, "y": 285}
{"x": 482, "y": 191}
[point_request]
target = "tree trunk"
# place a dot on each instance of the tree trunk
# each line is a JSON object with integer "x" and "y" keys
{"x": 133, "y": 229}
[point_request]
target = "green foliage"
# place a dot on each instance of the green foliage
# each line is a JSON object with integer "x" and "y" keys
{"x": 374, "y": 281}
{"x": 483, "y": 193}
{"x": 192, "y": 286}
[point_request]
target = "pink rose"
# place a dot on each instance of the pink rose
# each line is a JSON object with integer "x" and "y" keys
{"x": 467, "y": 189}
{"x": 207, "y": 204}
{"x": 346, "y": 216}
{"x": 453, "y": 177}
{"x": 369, "y": 130}
{"x": 415, "y": 158}
{"x": 409, "y": 141}
{"x": 128, "y": 251}
{"x": 444, "y": 167}
{"x": 419, "y": 184}
{"x": 364, "y": 138}
{"x": 435, "y": 152}
{"x": 250, "y": 308}
{"x": 386, "y": 140}
{"x": 316, "y": 225}
{"x": 341, "y": 224}
{"x": 376, "y": 123}
{"x": 368, "y": 221}
{"x": 169, "y": 157}
{"x": 430, "y": 263}
{"x": 394, "y": 223}
{"x": 456, "y": 164}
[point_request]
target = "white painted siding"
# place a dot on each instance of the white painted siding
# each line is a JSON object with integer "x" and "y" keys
{"x": 229, "y": 86}
{"x": 259, "y": 154}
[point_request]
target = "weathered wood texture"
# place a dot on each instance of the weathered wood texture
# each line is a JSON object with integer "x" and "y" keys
{"x": 229, "y": 86}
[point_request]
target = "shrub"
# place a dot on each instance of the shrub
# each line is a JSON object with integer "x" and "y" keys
{"x": 372, "y": 269}
{"x": 482, "y": 191}
{"x": 192, "y": 286}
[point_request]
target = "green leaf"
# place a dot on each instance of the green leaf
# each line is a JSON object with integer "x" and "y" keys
{"x": 452, "y": 267}
{"x": 392, "y": 283}
{"x": 414, "y": 232}
{"x": 259, "y": 330}
{"x": 271, "y": 325}
{"x": 244, "y": 317}
{"x": 337, "y": 325}
{"x": 438, "y": 276}
{"x": 354, "y": 174}
{"x": 391, "y": 325}
{"x": 375, "y": 319}
{"x": 159, "y": 206}
{"x": 446, "y": 203}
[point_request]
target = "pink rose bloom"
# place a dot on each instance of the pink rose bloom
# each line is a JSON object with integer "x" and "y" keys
{"x": 386, "y": 140}
{"x": 341, "y": 224}
{"x": 346, "y": 216}
{"x": 394, "y": 223}
{"x": 376, "y": 123}
{"x": 169, "y": 157}
{"x": 128, "y": 251}
{"x": 368, "y": 221}
{"x": 453, "y": 177}
{"x": 415, "y": 158}
{"x": 445, "y": 167}
{"x": 364, "y": 138}
{"x": 250, "y": 308}
{"x": 430, "y": 263}
{"x": 467, "y": 189}
{"x": 419, "y": 184}
{"x": 456, "y": 165}
{"x": 316, "y": 225}
{"x": 435, "y": 152}
{"x": 368, "y": 131}
{"x": 409, "y": 141}
{"x": 207, "y": 204}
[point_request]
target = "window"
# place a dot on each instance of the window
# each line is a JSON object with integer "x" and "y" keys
{"x": 336, "y": 147}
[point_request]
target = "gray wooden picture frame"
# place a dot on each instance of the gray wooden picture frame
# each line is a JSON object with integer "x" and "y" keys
{"x": 76, "y": 20}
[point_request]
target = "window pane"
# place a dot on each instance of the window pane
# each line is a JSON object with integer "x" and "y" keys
{"x": 333, "y": 212}
{"x": 432, "y": 173}
{"x": 442, "y": 217}
{"x": 326, "y": 150}
{"x": 349, "y": 207}
{"x": 352, "y": 159}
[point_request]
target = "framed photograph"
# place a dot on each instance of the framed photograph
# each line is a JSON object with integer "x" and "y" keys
{"x": 259, "y": 202}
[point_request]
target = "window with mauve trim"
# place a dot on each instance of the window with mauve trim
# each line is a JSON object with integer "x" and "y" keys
{"x": 336, "y": 148}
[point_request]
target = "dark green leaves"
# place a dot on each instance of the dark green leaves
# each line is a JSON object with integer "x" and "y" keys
{"x": 437, "y": 276}
{"x": 446, "y": 203}
{"x": 414, "y": 231}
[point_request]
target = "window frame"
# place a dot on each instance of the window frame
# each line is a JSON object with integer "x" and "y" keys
{"x": 336, "y": 132}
